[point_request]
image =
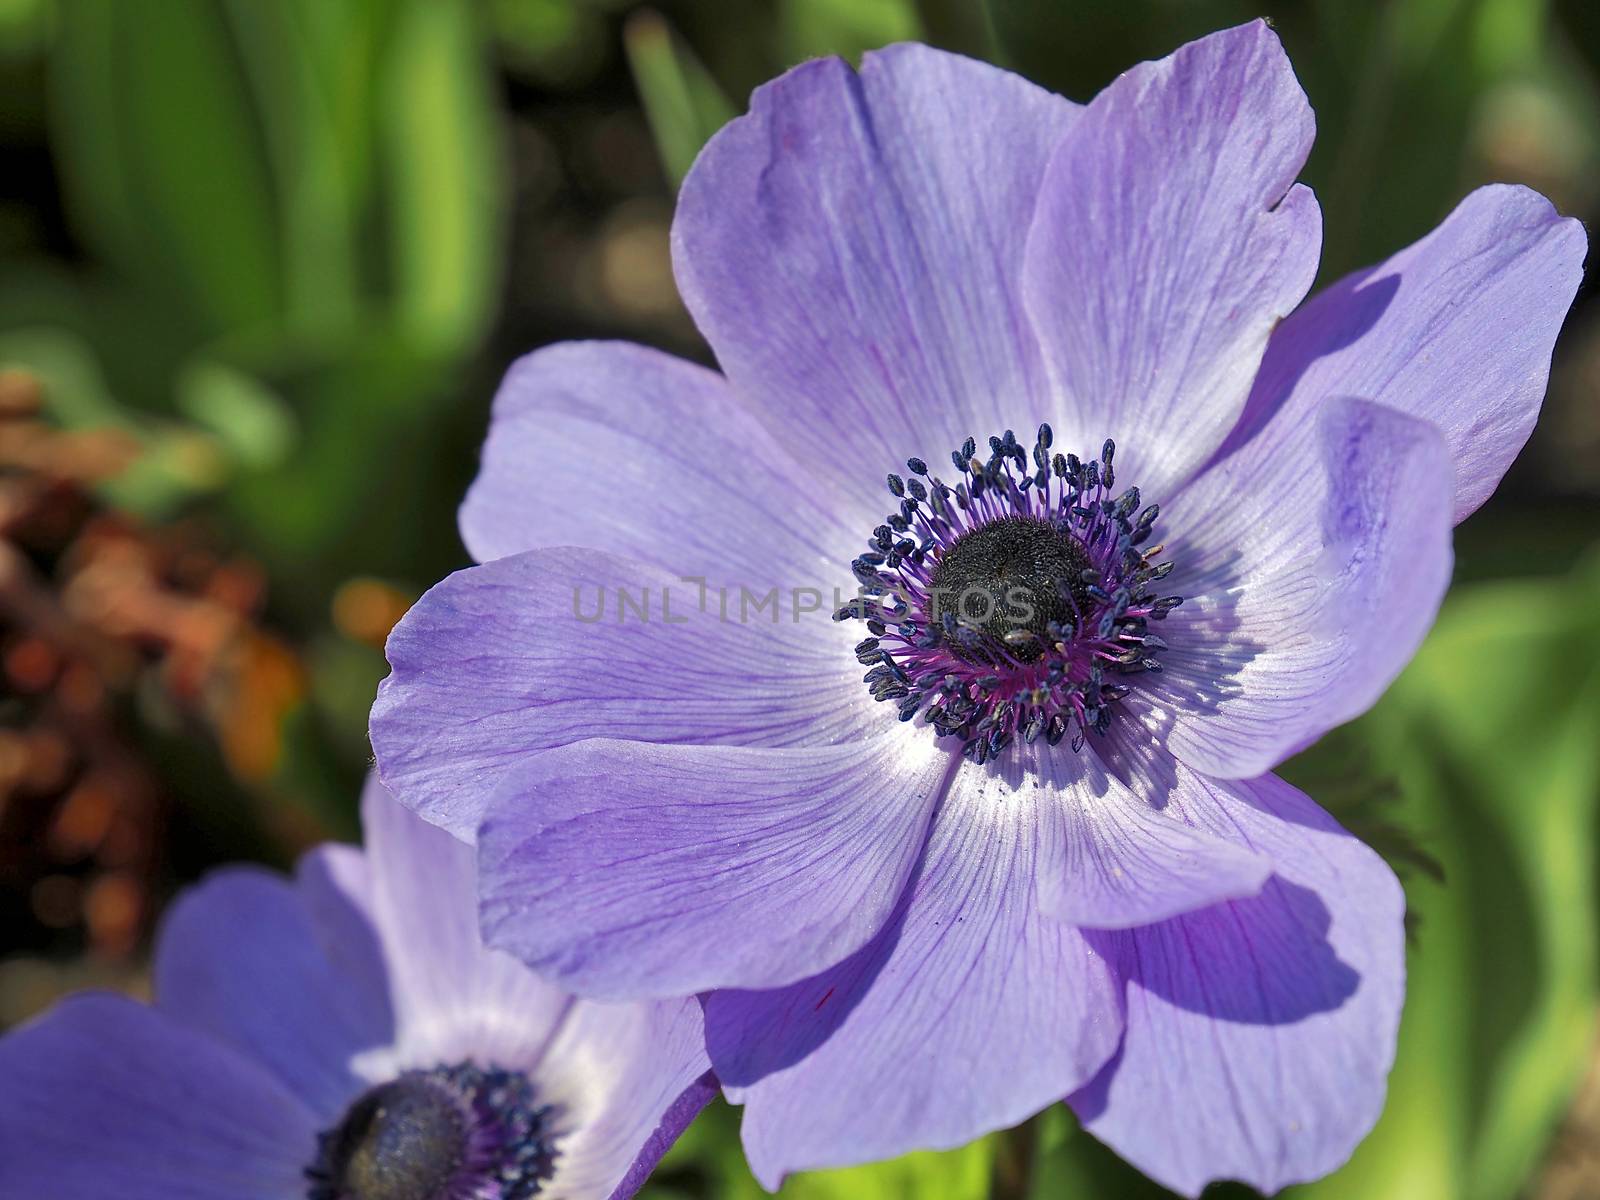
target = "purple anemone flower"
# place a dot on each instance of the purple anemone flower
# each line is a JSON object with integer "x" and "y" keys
{"x": 1038, "y": 852}
{"x": 345, "y": 1036}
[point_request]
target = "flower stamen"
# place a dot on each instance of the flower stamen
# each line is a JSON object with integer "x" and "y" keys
{"x": 458, "y": 1132}
{"x": 1008, "y": 604}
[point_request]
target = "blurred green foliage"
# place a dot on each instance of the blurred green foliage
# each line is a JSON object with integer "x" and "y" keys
{"x": 708, "y": 1161}
{"x": 294, "y": 218}
{"x": 288, "y": 245}
{"x": 291, "y": 221}
{"x": 683, "y": 102}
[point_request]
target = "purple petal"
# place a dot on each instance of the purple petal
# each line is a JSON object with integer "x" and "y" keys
{"x": 1311, "y": 563}
{"x": 631, "y": 451}
{"x": 453, "y": 997}
{"x": 852, "y": 250}
{"x": 970, "y": 1012}
{"x": 335, "y": 885}
{"x": 1260, "y": 1032}
{"x": 626, "y": 869}
{"x": 240, "y": 958}
{"x": 501, "y": 661}
{"x": 1168, "y": 241}
{"x": 1115, "y": 856}
{"x": 1456, "y": 329}
{"x": 104, "y": 1097}
{"x": 627, "y": 1079}
{"x": 673, "y": 1122}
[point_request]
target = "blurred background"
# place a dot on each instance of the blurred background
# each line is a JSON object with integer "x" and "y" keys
{"x": 264, "y": 262}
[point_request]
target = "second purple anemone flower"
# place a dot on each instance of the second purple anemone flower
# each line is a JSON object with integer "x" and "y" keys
{"x": 1004, "y": 832}
{"x": 345, "y": 1036}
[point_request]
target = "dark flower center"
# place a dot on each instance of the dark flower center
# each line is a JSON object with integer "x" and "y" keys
{"x": 1010, "y": 579}
{"x": 451, "y": 1133}
{"x": 1009, "y": 604}
{"x": 401, "y": 1141}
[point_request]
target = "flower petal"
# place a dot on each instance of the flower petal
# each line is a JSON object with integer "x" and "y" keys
{"x": 631, "y": 451}
{"x": 670, "y": 1128}
{"x": 1456, "y": 329}
{"x": 852, "y": 250}
{"x": 504, "y": 660}
{"x": 454, "y": 998}
{"x": 1115, "y": 856}
{"x": 1311, "y": 563}
{"x": 1168, "y": 240}
{"x": 1260, "y": 1032}
{"x": 335, "y": 885}
{"x": 240, "y": 958}
{"x": 626, "y": 869}
{"x": 627, "y": 1079}
{"x": 105, "y": 1097}
{"x": 970, "y": 1012}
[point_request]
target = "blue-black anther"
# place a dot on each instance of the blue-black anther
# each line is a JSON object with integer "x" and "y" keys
{"x": 985, "y": 683}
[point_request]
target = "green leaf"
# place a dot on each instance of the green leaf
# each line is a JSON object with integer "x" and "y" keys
{"x": 1076, "y": 49}
{"x": 249, "y": 418}
{"x": 165, "y": 161}
{"x": 958, "y": 25}
{"x": 442, "y": 151}
{"x": 849, "y": 28}
{"x": 709, "y": 1161}
{"x": 235, "y": 161}
{"x": 560, "y": 42}
{"x": 368, "y": 486}
{"x": 1069, "y": 1162}
{"x": 962, "y": 1174}
{"x": 311, "y": 67}
{"x": 681, "y": 101}
{"x": 24, "y": 25}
